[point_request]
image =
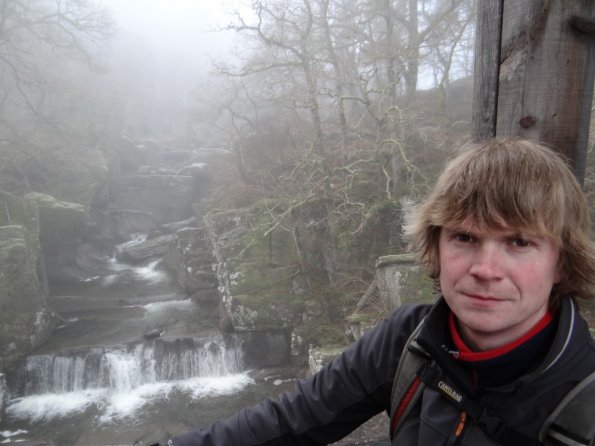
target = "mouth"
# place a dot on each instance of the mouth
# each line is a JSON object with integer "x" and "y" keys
{"x": 483, "y": 297}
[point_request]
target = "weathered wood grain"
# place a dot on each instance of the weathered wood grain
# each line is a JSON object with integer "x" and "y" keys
{"x": 545, "y": 77}
{"x": 487, "y": 58}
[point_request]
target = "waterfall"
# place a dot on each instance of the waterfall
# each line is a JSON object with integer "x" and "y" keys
{"x": 124, "y": 368}
{"x": 91, "y": 376}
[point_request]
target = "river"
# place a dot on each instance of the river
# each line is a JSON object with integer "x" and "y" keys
{"x": 133, "y": 362}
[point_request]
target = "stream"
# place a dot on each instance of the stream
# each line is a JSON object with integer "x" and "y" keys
{"x": 133, "y": 362}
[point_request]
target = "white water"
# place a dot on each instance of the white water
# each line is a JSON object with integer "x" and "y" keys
{"x": 134, "y": 240}
{"x": 126, "y": 368}
{"x": 118, "y": 382}
{"x": 164, "y": 306}
{"x": 114, "y": 405}
{"x": 148, "y": 273}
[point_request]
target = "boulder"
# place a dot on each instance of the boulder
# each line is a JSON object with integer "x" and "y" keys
{"x": 172, "y": 228}
{"x": 265, "y": 349}
{"x": 62, "y": 227}
{"x": 136, "y": 253}
{"x": 25, "y": 319}
{"x": 125, "y": 223}
{"x": 21, "y": 211}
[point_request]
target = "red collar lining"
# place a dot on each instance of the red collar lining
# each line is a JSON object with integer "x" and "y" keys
{"x": 466, "y": 354}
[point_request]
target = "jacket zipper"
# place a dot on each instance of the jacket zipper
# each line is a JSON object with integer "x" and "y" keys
{"x": 454, "y": 438}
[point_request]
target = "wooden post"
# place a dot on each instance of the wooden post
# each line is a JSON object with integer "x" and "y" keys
{"x": 488, "y": 37}
{"x": 542, "y": 86}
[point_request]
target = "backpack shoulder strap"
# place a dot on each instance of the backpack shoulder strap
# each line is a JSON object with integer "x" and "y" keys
{"x": 417, "y": 371}
{"x": 572, "y": 422}
{"x": 407, "y": 386}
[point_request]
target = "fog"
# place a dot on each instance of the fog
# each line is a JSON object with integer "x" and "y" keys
{"x": 166, "y": 48}
{"x": 162, "y": 159}
{"x": 186, "y": 34}
{"x": 194, "y": 193}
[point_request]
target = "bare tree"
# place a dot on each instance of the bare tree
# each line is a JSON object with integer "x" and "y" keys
{"x": 43, "y": 46}
{"x": 287, "y": 29}
{"x": 39, "y": 38}
{"x": 333, "y": 57}
{"x": 449, "y": 47}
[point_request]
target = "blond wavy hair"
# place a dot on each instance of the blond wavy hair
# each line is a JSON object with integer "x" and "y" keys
{"x": 519, "y": 183}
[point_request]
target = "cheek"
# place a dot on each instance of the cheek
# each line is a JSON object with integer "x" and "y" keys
{"x": 451, "y": 270}
{"x": 538, "y": 277}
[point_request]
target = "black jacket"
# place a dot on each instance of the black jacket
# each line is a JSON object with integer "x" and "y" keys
{"x": 357, "y": 385}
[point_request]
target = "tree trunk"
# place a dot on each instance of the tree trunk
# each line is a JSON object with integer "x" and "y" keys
{"x": 413, "y": 42}
{"x": 339, "y": 78}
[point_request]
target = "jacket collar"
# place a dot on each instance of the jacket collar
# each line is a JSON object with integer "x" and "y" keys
{"x": 436, "y": 340}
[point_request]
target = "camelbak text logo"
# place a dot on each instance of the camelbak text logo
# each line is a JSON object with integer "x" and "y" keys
{"x": 450, "y": 391}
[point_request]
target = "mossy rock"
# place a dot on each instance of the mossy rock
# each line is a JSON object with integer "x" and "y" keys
{"x": 25, "y": 320}
{"x": 21, "y": 211}
{"x": 265, "y": 312}
{"x": 76, "y": 179}
{"x": 259, "y": 271}
{"x": 257, "y": 278}
{"x": 59, "y": 220}
{"x": 276, "y": 247}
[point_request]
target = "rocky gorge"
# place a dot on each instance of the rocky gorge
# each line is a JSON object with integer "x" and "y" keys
{"x": 229, "y": 280}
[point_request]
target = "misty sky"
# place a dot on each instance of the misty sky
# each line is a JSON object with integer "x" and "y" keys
{"x": 170, "y": 43}
{"x": 175, "y": 25}
{"x": 164, "y": 48}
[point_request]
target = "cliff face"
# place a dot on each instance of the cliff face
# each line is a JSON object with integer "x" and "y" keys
{"x": 266, "y": 292}
{"x": 263, "y": 289}
{"x": 25, "y": 319}
{"x": 192, "y": 264}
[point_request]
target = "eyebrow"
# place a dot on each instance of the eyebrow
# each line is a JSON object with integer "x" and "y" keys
{"x": 475, "y": 230}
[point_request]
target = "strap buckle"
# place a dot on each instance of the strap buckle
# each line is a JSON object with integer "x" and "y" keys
{"x": 493, "y": 426}
{"x": 429, "y": 373}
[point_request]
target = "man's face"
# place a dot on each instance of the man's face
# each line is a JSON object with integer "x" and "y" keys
{"x": 496, "y": 281}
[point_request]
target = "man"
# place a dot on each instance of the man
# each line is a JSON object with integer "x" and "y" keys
{"x": 506, "y": 236}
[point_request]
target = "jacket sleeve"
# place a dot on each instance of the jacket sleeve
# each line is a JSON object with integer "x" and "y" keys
{"x": 328, "y": 406}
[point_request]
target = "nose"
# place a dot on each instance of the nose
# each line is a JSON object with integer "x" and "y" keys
{"x": 487, "y": 261}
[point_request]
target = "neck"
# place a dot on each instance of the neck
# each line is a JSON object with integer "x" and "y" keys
{"x": 486, "y": 347}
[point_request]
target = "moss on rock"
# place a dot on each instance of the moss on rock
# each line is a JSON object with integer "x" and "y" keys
{"x": 59, "y": 219}
{"x": 25, "y": 320}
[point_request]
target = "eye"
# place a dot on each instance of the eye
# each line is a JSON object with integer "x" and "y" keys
{"x": 521, "y": 242}
{"x": 463, "y": 237}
